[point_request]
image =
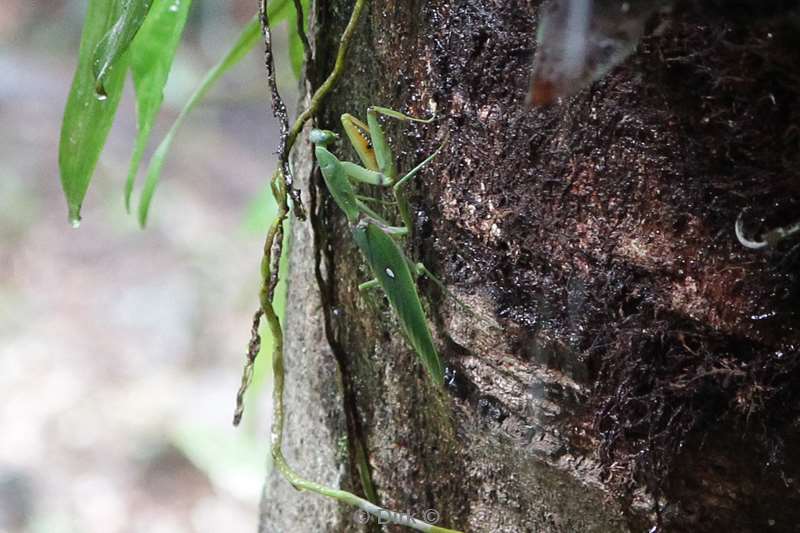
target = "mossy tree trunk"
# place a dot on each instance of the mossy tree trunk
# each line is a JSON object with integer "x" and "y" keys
{"x": 644, "y": 367}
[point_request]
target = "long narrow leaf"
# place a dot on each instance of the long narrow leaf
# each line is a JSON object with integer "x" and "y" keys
{"x": 152, "y": 53}
{"x": 296, "y": 51}
{"x": 117, "y": 40}
{"x": 247, "y": 40}
{"x": 87, "y": 117}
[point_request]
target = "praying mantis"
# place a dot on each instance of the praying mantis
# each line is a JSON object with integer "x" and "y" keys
{"x": 375, "y": 237}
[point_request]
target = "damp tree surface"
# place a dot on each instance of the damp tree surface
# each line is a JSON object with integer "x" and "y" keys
{"x": 643, "y": 366}
{"x": 627, "y": 358}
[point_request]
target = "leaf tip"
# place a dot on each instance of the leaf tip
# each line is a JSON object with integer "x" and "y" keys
{"x": 143, "y": 211}
{"x": 75, "y": 216}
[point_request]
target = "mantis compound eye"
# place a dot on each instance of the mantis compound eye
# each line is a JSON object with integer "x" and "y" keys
{"x": 322, "y": 137}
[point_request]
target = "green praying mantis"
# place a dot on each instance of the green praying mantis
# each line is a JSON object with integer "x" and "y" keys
{"x": 377, "y": 239}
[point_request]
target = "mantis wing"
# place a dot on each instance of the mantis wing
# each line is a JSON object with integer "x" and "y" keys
{"x": 389, "y": 265}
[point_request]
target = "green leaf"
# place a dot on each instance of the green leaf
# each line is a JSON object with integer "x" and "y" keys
{"x": 87, "y": 117}
{"x": 117, "y": 39}
{"x": 247, "y": 40}
{"x": 278, "y": 11}
{"x": 296, "y": 53}
{"x": 152, "y": 53}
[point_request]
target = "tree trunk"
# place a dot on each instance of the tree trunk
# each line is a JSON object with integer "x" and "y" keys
{"x": 643, "y": 369}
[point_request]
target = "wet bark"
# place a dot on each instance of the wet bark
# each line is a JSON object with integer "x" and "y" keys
{"x": 642, "y": 367}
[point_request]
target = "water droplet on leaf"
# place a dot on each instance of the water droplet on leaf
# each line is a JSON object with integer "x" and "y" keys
{"x": 100, "y": 93}
{"x": 75, "y": 216}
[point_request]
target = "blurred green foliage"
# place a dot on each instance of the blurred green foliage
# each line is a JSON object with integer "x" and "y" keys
{"x": 109, "y": 45}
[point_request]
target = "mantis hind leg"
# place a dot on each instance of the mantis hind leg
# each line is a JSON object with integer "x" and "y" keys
{"x": 413, "y": 172}
{"x": 383, "y": 152}
{"x": 369, "y": 285}
{"x": 398, "y": 188}
{"x": 419, "y": 269}
{"x": 376, "y": 109}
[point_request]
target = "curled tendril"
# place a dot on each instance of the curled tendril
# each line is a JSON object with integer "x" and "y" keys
{"x": 770, "y": 238}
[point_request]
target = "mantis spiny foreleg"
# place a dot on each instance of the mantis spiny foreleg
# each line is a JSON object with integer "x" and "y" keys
{"x": 369, "y": 142}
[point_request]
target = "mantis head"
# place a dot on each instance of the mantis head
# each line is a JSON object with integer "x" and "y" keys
{"x": 322, "y": 137}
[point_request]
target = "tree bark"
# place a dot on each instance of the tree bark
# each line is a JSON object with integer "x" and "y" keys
{"x": 643, "y": 368}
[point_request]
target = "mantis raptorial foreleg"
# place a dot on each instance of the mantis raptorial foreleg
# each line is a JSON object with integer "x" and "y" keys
{"x": 369, "y": 142}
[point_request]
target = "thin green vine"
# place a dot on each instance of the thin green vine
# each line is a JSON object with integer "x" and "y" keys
{"x": 281, "y": 185}
{"x": 288, "y": 139}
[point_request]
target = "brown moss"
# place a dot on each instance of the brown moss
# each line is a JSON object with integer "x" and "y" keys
{"x": 602, "y": 229}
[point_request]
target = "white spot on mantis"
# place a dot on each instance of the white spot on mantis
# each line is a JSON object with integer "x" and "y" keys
{"x": 389, "y": 272}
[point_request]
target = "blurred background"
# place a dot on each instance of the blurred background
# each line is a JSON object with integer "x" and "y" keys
{"x": 121, "y": 349}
